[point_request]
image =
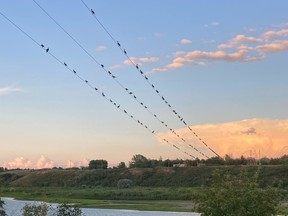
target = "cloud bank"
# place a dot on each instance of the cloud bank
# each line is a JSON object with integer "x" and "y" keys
{"x": 248, "y": 137}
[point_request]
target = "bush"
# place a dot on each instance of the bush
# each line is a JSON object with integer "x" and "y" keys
{"x": 65, "y": 209}
{"x": 124, "y": 183}
{"x": 35, "y": 209}
{"x": 228, "y": 196}
{"x": 2, "y": 211}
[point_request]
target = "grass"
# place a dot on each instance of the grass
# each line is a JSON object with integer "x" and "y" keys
{"x": 137, "y": 198}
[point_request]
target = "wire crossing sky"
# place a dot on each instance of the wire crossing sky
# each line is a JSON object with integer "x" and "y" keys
{"x": 225, "y": 72}
{"x": 123, "y": 87}
{"x": 153, "y": 86}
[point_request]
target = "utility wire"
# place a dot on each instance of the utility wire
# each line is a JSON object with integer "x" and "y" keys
{"x": 63, "y": 63}
{"x": 148, "y": 81}
{"x": 117, "y": 81}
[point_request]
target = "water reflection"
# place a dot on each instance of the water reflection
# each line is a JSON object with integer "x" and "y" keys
{"x": 13, "y": 208}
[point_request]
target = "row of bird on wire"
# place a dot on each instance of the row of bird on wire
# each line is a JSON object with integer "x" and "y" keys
{"x": 47, "y": 50}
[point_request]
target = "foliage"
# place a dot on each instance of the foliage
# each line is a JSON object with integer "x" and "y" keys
{"x": 121, "y": 165}
{"x": 98, "y": 164}
{"x": 2, "y": 211}
{"x": 35, "y": 209}
{"x": 124, "y": 183}
{"x": 65, "y": 209}
{"x": 231, "y": 196}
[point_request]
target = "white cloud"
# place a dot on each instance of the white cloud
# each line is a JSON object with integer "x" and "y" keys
{"x": 101, "y": 48}
{"x": 141, "y": 61}
{"x": 215, "y": 23}
{"x": 9, "y": 90}
{"x": 158, "y": 34}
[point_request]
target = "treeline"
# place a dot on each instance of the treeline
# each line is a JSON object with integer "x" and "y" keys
{"x": 140, "y": 161}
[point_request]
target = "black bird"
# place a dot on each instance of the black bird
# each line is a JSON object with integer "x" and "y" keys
{"x": 157, "y": 91}
{"x": 92, "y": 12}
{"x": 153, "y": 131}
{"x": 103, "y": 94}
{"x": 146, "y": 77}
{"x": 126, "y": 89}
{"x": 42, "y": 45}
{"x": 102, "y": 65}
{"x": 74, "y": 71}
{"x": 109, "y": 72}
{"x": 113, "y": 76}
{"x": 141, "y": 71}
{"x": 130, "y": 93}
{"x": 163, "y": 98}
{"x": 125, "y": 52}
{"x": 145, "y": 107}
{"x": 47, "y": 50}
{"x": 111, "y": 101}
{"x": 65, "y": 64}
{"x": 118, "y": 44}
{"x": 137, "y": 66}
{"x": 153, "y": 86}
{"x": 96, "y": 89}
{"x": 125, "y": 111}
{"x": 86, "y": 81}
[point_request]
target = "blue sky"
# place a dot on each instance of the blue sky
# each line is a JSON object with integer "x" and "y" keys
{"x": 221, "y": 65}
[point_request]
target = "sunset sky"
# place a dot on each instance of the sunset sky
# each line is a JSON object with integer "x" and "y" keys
{"x": 220, "y": 65}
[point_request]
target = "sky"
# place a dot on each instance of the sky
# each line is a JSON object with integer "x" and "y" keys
{"x": 219, "y": 67}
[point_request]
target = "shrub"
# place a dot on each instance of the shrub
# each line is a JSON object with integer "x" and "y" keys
{"x": 35, "y": 209}
{"x": 124, "y": 183}
{"x": 231, "y": 196}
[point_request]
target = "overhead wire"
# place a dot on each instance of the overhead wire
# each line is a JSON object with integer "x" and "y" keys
{"x": 95, "y": 89}
{"x": 129, "y": 92}
{"x": 148, "y": 81}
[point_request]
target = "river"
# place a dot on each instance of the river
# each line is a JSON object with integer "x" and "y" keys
{"x": 13, "y": 208}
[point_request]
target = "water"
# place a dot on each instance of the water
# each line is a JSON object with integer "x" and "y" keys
{"x": 13, "y": 208}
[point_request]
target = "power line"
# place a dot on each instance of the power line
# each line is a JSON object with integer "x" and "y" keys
{"x": 117, "y": 81}
{"x": 63, "y": 63}
{"x": 147, "y": 80}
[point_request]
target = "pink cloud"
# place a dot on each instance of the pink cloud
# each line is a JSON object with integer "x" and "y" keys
{"x": 267, "y": 136}
{"x": 276, "y": 47}
{"x": 272, "y": 34}
{"x": 185, "y": 41}
{"x": 241, "y": 48}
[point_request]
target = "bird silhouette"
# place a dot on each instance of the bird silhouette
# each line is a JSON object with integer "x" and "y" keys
{"x": 42, "y": 45}
{"x": 92, "y": 12}
{"x": 118, "y": 44}
{"x": 102, "y": 65}
{"x": 103, "y": 94}
{"x": 65, "y": 64}
{"x": 141, "y": 71}
{"x": 125, "y": 52}
{"x": 74, "y": 71}
{"x": 137, "y": 66}
{"x": 47, "y": 50}
{"x": 86, "y": 81}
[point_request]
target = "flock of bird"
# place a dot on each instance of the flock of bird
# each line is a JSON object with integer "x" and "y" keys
{"x": 117, "y": 105}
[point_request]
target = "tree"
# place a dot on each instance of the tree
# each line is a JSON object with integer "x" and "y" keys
{"x": 35, "y": 210}
{"x": 139, "y": 161}
{"x": 236, "y": 196}
{"x": 98, "y": 164}
{"x": 121, "y": 165}
{"x": 65, "y": 209}
{"x": 2, "y": 211}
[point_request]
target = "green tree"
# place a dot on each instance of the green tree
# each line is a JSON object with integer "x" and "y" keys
{"x": 65, "y": 209}
{"x": 2, "y": 211}
{"x": 121, "y": 165}
{"x": 98, "y": 164}
{"x": 139, "y": 161}
{"x": 236, "y": 196}
{"x": 35, "y": 209}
